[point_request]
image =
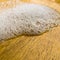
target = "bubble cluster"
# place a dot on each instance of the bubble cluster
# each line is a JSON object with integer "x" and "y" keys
{"x": 27, "y": 19}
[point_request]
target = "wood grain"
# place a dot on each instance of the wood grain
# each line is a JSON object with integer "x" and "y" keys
{"x": 43, "y": 47}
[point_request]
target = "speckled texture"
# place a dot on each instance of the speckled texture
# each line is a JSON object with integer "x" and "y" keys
{"x": 27, "y": 19}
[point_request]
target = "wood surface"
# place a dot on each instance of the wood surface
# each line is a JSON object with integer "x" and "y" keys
{"x": 42, "y": 47}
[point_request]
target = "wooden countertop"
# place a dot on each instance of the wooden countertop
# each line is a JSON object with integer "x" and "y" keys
{"x": 43, "y": 47}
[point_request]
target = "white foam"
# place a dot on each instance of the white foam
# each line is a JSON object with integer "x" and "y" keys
{"x": 27, "y": 19}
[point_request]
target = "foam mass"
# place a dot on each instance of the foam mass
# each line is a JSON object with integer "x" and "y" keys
{"x": 27, "y": 19}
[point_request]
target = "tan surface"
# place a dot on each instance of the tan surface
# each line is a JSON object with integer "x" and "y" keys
{"x": 43, "y": 47}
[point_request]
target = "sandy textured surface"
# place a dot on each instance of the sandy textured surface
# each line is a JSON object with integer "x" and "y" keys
{"x": 43, "y": 47}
